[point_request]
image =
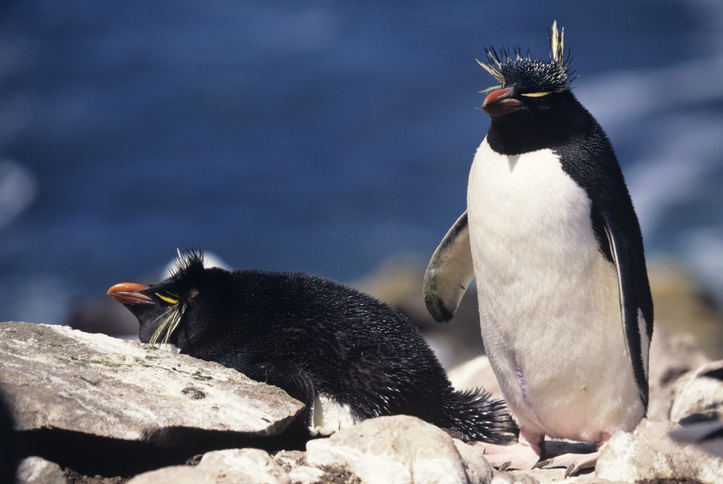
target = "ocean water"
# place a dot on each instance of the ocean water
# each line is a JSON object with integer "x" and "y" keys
{"x": 315, "y": 135}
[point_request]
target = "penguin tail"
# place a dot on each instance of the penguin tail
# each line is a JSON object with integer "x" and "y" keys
{"x": 481, "y": 418}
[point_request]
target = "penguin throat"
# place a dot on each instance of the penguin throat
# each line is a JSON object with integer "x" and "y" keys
{"x": 522, "y": 135}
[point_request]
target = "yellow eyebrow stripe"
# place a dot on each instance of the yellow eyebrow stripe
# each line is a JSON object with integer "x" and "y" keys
{"x": 167, "y": 299}
{"x": 536, "y": 94}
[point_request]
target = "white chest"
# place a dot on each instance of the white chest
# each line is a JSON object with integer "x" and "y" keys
{"x": 549, "y": 302}
{"x": 528, "y": 197}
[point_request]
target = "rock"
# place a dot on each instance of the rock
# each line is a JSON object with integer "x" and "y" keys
{"x": 670, "y": 357}
{"x": 36, "y": 470}
{"x": 290, "y": 459}
{"x": 243, "y": 466}
{"x": 58, "y": 378}
{"x": 706, "y": 435}
{"x": 515, "y": 478}
{"x": 649, "y": 453}
{"x": 399, "y": 449}
{"x": 294, "y": 462}
{"x": 174, "y": 475}
{"x": 698, "y": 395}
{"x": 307, "y": 475}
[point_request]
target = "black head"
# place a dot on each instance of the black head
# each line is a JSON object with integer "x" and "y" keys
{"x": 533, "y": 101}
{"x": 530, "y": 77}
{"x": 163, "y": 308}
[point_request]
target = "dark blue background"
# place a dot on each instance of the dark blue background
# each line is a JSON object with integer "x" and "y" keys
{"x": 316, "y": 136}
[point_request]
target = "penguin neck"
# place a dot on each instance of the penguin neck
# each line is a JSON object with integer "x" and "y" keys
{"x": 520, "y": 136}
{"x": 531, "y": 130}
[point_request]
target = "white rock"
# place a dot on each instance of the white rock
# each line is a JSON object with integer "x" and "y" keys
{"x": 649, "y": 453}
{"x": 306, "y": 475}
{"x": 475, "y": 465}
{"x": 247, "y": 466}
{"x": 398, "y": 449}
{"x": 174, "y": 475}
{"x": 515, "y": 478}
{"x": 36, "y": 470}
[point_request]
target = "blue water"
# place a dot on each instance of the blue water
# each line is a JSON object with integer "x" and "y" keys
{"x": 318, "y": 136}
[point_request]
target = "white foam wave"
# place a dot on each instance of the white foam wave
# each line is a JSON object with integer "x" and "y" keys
{"x": 17, "y": 190}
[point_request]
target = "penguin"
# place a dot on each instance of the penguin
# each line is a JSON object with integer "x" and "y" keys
{"x": 345, "y": 355}
{"x": 551, "y": 236}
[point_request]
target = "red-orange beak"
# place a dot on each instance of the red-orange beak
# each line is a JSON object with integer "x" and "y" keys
{"x": 499, "y": 102}
{"x": 127, "y": 293}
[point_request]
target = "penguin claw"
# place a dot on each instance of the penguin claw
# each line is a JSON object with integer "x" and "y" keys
{"x": 504, "y": 466}
{"x": 542, "y": 463}
{"x": 574, "y": 463}
{"x": 572, "y": 469}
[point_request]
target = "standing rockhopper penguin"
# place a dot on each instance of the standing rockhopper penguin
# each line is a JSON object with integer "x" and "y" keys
{"x": 552, "y": 238}
{"x": 345, "y": 355}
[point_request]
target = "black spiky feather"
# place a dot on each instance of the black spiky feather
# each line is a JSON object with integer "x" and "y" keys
{"x": 529, "y": 75}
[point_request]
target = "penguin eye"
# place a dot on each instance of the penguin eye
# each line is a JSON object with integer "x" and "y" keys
{"x": 168, "y": 299}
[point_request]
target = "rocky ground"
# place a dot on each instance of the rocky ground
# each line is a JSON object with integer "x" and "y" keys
{"x": 94, "y": 409}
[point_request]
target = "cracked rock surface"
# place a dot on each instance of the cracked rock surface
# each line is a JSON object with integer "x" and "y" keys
{"x": 54, "y": 377}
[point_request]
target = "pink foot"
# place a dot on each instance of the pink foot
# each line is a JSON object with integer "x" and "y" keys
{"x": 522, "y": 455}
{"x": 575, "y": 462}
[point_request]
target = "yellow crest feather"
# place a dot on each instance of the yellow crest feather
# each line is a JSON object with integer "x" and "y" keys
{"x": 493, "y": 70}
{"x": 557, "y": 41}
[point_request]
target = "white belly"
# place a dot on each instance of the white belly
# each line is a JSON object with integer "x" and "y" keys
{"x": 329, "y": 416}
{"x": 549, "y": 303}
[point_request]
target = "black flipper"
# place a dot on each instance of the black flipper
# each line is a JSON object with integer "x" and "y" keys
{"x": 623, "y": 254}
{"x": 290, "y": 378}
{"x": 449, "y": 272}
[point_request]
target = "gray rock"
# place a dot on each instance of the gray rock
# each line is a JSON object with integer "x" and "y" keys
{"x": 58, "y": 378}
{"x": 649, "y": 453}
{"x": 399, "y": 449}
{"x": 699, "y": 395}
{"x": 706, "y": 435}
{"x": 36, "y": 470}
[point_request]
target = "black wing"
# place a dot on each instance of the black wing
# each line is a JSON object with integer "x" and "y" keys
{"x": 632, "y": 300}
